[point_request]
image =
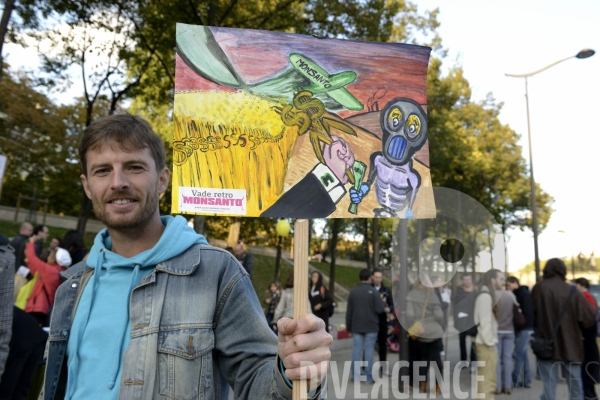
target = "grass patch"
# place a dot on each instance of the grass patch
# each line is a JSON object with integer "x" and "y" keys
{"x": 345, "y": 276}
{"x": 263, "y": 273}
{"x": 11, "y": 229}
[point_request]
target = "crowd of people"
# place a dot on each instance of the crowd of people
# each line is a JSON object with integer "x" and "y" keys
{"x": 497, "y": 320}
{"x": 36, "y": 281}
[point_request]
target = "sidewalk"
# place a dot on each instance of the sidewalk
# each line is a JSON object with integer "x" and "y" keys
{"x": 340, "y": 387}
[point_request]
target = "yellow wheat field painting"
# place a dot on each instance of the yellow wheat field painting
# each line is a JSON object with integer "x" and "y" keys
{"x": 290, "y": 126}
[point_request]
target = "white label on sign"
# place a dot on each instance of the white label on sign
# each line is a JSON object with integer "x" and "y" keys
{"x": 212, "y": 201}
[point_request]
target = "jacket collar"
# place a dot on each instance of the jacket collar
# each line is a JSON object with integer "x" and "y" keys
{"x": 183, "y": 264}
{"x": 75, "y": 271}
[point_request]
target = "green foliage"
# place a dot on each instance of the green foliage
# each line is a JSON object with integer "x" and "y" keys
{"x": 344, "y": 275}
{"x": 40, "y": 140}
{"x": 253, "y": 231}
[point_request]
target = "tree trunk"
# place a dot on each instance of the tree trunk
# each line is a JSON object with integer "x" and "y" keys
{"x": 335, "y": 229}
{"x": 199, "y": 224}
{"x": 9, "y": 6}
{"x": 234, "y": 232}
{"x": 375, "y": 226}
{"x": 367, "y": 256}
{"x": 84, "y": 213}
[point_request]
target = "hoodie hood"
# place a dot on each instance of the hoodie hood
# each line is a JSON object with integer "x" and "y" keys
{"x": 100, "y": 330}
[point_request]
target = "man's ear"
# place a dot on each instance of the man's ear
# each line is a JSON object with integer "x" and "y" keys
{"x": 163, "y": 180}
{"x": 85, "y": 186}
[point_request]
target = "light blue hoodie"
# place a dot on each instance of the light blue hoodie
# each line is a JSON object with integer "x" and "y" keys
{"x": 101, "y": 330}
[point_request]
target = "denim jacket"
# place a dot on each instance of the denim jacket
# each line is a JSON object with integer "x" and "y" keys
{"x": 195, "y": 317}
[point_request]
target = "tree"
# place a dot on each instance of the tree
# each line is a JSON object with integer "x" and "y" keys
{"x": 40, "y": 140}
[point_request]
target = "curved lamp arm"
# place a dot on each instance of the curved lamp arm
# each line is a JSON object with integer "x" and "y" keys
{"x": 585, "y": 53}
{"x": 539, "y": 70}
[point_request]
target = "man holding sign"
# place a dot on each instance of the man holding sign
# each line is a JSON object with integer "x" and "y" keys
{"x": 154, "y": 312}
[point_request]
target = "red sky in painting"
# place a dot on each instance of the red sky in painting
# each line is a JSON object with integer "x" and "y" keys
{"x": 399, "y": 70}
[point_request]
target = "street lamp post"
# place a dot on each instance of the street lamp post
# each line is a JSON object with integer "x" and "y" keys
{"x": 585, "y": 53}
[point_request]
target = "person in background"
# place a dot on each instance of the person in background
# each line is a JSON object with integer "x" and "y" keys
{"x": 271, "y": 298}
{"x": 54, "y": 243}
{"x": 18, "y": 243}
{"x": 463, "y": 306}
{"x": 439, "y": 288}
{"x": 506, "y": 336}
{"x": 423, "y": 306}
{"x": 549, "y": 297}
{"x": 42, "y": 297}
{"x": 241, "y": 253}
{"x": 73, "y": 243}
{"x": 486, "y": 319}
{"x": 521, "y": 376}
{"x": 362, "y": 320}
{"x": 386, "y": 295}
{"x": 320, "y": 298}
{"x": 7, "y": 271}
{"x": 285, "y": 307}
{"x": 591, "y": 359}
{"x": 40, "y": 233}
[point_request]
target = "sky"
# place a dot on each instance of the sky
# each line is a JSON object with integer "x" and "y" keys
{"x": 490, "y": 38}
{"x": 493, "y": 37}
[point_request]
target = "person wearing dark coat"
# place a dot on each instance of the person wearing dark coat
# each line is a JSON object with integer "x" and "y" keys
{"x": 386, "y": 295}
{"x": 18, "y": 243}
{"x": 463, "y": 305}
{"x": 521, "y": 376}
{"x": 362, "y": 320}
{"x": 26, "y": 351}
{"x": 549, "y": 296}
{"x": 320, "y": 298}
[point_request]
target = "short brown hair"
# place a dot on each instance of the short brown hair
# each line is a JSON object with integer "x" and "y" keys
{"x": 513, "y": 279}
{"x": 583, "y": 282}
{"x": 130, "y": 131}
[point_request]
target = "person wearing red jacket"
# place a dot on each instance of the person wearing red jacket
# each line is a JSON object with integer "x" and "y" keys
{"x": 42, "y": 296}
{"x": 590, "y": 371}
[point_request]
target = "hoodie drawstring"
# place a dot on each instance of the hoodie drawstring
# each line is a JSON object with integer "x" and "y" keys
{"x": 95, "y": 281}
{"x": 117, "y": 361}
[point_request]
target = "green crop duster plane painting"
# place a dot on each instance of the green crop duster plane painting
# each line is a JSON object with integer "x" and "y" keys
{"x": 304, "y": 73}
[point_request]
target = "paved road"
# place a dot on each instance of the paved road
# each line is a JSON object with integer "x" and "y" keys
{"x": 340, "y": 387}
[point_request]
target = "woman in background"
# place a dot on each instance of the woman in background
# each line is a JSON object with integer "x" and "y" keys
{"x": 272, "y": 296}
{"x": 320, "y": 298}
{"x": 73, "y": 243}
{"x": 285, "y": 308}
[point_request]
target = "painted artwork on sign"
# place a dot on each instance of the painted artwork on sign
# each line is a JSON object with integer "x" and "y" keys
{"x": 290, "y": 126}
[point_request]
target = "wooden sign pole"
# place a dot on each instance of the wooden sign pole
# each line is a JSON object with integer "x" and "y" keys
{"x": 301, "y": 247}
